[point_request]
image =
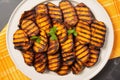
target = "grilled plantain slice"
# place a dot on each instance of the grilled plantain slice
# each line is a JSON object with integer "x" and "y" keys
{"x": 64, "y": 70}
{"x": 43, "y": 44}
{"x": 54, "y": 12}
{"x": 69, "y": 14}
{"x": 41, "y": 9}
{"x": 43, "y": 22}
{"x": 28, "y": 57}
{"x": 54, "y": 62}
{"x": 61, "y": 31}
{"x": 77, "y": 67}
{"x": 68, "y": 58}
{"x": 40, "y": 62}
{"x": 98, "y": 34}
{"x": 84, "y": 13}
{"x": 29, "y": 27}
{"x": 53, "y": 46}
{"x": 94, "y": 55}
{"x": 68, "y": 45}
{"x": 30, "y": 15}
{"x": 82, "y": 52}
{"x": 21, "y": 40}
{"x": 84, "y": 32}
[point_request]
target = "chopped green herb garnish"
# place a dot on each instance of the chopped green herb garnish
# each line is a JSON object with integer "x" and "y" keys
{"x": 36, "y": 38}
{"x": 53, "y": 37}
{"x": 75, "y": 33}
{"x": 72, "y": 31}
{"x": 54, "y": 29}
{"x": 52, "y": 33}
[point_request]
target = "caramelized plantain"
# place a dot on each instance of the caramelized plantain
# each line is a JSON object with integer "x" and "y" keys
{"x": 94, "y": 55}
{"x": 68, "y": 45}
{"x": 84, "y": 13}
{"x": 41, "y": 9}
{"x": 64, "y": 70}
{"x": 68, "y": 58}
{"x": 54, "y": 62}
{"x": 40, "y": 62}
{"x": 81, "y": 52}
{"x": 77, "y": 67}
{"x": 43, "y": 44}
{"x": 53, "y": 46}
{"x": 28, "y": 57}
{"x": 43, "y": 22}
{"x": 98, "y": 34}
{"x": 30, "y": 15}
{"x": 29, "y": 27}
{"x": 54, "y": 12}
{"x": 21, "y": 40}
{"x": 84, "y": 32}
{"x": 69, "y": 14}
{"x": 61, "y": 31}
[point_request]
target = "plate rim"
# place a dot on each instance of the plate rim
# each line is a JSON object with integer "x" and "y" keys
{"x": 96, "y": 72}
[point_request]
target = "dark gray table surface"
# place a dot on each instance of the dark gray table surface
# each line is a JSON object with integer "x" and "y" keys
{"x": 110, "y": 72}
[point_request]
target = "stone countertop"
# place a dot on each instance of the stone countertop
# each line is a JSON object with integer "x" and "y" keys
{"x": 110, "y": 72}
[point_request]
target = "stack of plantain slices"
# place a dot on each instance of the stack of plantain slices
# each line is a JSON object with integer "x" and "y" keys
{"x": 60, "y": 38}
{"x": 53, "y": 55}
{"x": 91, "y": 36}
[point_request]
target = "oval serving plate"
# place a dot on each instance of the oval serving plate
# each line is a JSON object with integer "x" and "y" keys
{"x": 88, "y": 73}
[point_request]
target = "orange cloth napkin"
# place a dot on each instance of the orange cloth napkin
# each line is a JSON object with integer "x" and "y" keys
{"x": 8, "y": 71}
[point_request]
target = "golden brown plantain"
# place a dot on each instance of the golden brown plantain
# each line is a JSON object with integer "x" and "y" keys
{"x": 68, "y": 58}
{"x": 64, "y": 70}
{"x": 40, "y": 62}
{"x": 69, "y": 14}
{"x": 53, "y": 46}
{"x": 43, "y": 22}
{"x": 28, "y": 57}
{"x": 41, "y": 9}
{"x": 84, "y": 32}
{"x": 94, "y": 55}
{"x": 43, "y": 44}
{"x": 81, "y": 52}
{"x": 30, "y": 15}
{"x": 77, "y": 67}
{"x": 21, "y": 40}
{"x": 98, "y": 34}
{"x": 54, "y": 62}
{"x": 84, "y": 13}
{"x": 29, "y": 27}
{"x": 68, "y": 45}
{"x": 61, "y": 31}
{"x": 54, "y": 12}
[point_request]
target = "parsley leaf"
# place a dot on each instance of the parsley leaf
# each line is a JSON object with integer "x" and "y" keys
{"x": 38, "y": 40}
{"x": 54, "y": 29}
{"x": 72, "y": 31}
{"x": 52, "y": 33}
{"x": 34, "y": 37}
{"x": 75, "y": 33}
{"x": 53, "y": 37}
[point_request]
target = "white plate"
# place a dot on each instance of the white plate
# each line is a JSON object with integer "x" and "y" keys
{"x": 88, "y": 73}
